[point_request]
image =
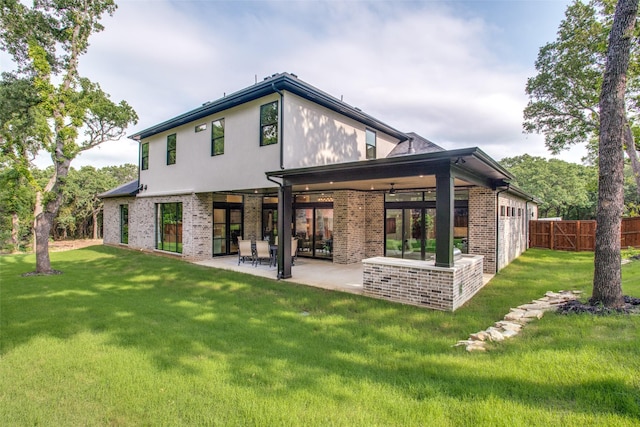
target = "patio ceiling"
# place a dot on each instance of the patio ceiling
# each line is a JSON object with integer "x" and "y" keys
{"x": 468, "y": 166}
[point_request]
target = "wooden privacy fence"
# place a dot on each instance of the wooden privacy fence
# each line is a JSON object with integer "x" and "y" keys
{"x": 578, "y": 235}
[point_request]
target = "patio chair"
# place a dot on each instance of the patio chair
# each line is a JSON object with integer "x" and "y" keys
{"x": 262, "y": 252}
{"x": 244, "y": 250}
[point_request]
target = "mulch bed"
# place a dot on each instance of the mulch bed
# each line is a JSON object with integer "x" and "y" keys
{"x": 631, "y": 306}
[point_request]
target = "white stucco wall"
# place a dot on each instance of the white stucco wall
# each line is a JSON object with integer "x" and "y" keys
{"x": 241, "y": 167}
{"x": 315, "y": 135}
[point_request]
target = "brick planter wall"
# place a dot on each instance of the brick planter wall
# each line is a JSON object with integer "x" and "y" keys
{"x": 421, "y": 283}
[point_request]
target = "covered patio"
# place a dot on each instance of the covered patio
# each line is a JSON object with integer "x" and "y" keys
{"x": 442, "y": 171}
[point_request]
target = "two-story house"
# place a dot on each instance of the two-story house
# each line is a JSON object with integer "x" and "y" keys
{"x": 282, "y": 159}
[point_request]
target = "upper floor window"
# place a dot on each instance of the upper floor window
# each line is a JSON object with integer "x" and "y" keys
{"x": 371, "y": 144}
{"x": 269, "y": 123}
{"x": 201, "y": 127}
{"x": 171, "y": 149}
{"x": 144, "y": 160}
{"x": 217, "y": 137}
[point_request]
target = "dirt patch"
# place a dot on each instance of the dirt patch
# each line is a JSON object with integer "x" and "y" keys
{"x": 631, "y": 306}
{"x": 68, "y": 245}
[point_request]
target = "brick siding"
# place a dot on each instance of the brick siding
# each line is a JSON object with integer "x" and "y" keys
{"x": 422, "y": 284}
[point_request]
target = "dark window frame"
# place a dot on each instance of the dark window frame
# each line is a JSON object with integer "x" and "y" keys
{"x": 370, "y": 149}
{"x": 144, "y": 156}
{"x": 172, "y": 145}
{"x": 217, "y": 142}
{"x": 172, "y": 226}
{"x": 269, "y": 127}
{"x": 124, "y": 224}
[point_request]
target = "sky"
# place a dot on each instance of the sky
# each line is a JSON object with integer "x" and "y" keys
{"x": 452, "y": 71}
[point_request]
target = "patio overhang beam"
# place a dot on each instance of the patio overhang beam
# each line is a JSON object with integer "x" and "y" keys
{"x": 469, "y": 164}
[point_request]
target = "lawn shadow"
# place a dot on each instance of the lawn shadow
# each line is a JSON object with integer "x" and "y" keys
{"x": 273, "y": 336}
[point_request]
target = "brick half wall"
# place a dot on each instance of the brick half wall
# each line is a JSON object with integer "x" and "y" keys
{"x": 421, "y": 283}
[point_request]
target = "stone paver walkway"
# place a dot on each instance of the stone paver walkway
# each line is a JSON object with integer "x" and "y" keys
{"x": 513, "y": 321}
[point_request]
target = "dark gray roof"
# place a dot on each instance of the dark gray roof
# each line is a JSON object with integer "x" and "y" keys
{"x": 414, "y": 145}
{"x": 273, "y": 84}
{"x": 126, "y": 190}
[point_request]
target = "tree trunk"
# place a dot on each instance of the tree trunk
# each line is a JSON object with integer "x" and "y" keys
{"x": 42, "y": 232}
{"x": 45, "y": 215}
{"x": 607, "y": 284}
{"x": 15, "y": 231}
{"x": 94, "y": 216}
{"x": 633, "y": 156}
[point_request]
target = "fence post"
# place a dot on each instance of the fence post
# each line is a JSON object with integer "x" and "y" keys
{"x": 578, "y": 237}
{"x": 552, "y": 238}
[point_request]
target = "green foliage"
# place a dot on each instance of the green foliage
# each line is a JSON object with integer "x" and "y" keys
{"x": 46, "y": 42}
{"x": 125, "y": 338}
{"x": 80, "y": 208}
{"x": 564, "y": 95}
{"x": 566, "y": 189}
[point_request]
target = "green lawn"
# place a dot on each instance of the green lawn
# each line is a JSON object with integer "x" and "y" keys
{"x": 125, "y": 338}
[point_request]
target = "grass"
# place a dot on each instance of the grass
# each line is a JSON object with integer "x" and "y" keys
{"x": 125, "y": 338}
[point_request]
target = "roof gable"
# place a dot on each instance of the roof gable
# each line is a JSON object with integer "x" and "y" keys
{"x": 274, "y": 84}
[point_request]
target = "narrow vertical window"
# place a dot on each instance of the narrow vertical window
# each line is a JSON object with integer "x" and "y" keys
{"x": 144, "y": 161}
{"x": 124, "y": 223}
{"x": 171, "y": 149}
{"x": 269, "y": 123}
{"x": 371, "y": 144}
{"x": 217, "y": 137}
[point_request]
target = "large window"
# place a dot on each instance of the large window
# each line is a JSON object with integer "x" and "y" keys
{"x": 269, "y": 123}
{"x": 124, "y": 223}
{"x": 371, "y": 144}
{"x": 144, "y": 160}
{"x": 171, "y": 149}
{"x": 217, "y": 137}
{"x": 169, "y": 227}
{"x": 410, "y": 224}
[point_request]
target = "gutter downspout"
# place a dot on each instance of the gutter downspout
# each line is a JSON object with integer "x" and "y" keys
{"x": 526, "y": 212}
{"x": 498, "y": 223}
{"x": 280, "y": 130}
{"x": 139, "y": 164}
{"x": 280, "y": 253}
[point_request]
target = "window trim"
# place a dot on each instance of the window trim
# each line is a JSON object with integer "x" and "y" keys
{"x": 144, "y": 157}
{"x": 269, "y": 124}
{"x": 367, "y": 144}
{"x": 170, "y": 160}
{"x": 215, "y": 139}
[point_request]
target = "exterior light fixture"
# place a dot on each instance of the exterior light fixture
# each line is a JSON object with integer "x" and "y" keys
{"x": 392, "y": 191}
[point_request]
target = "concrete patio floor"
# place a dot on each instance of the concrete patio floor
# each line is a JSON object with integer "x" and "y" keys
{"x": 306, "y": 271}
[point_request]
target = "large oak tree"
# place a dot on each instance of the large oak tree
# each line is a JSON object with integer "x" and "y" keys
{"x": 46, "y": 42}
{"x": 614, "y": 128}
{"x": 564, "y": 94}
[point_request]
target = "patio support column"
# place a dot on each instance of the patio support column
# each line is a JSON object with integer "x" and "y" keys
{"x": 285, "y": 214}
{"x": 445, "y": 192}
